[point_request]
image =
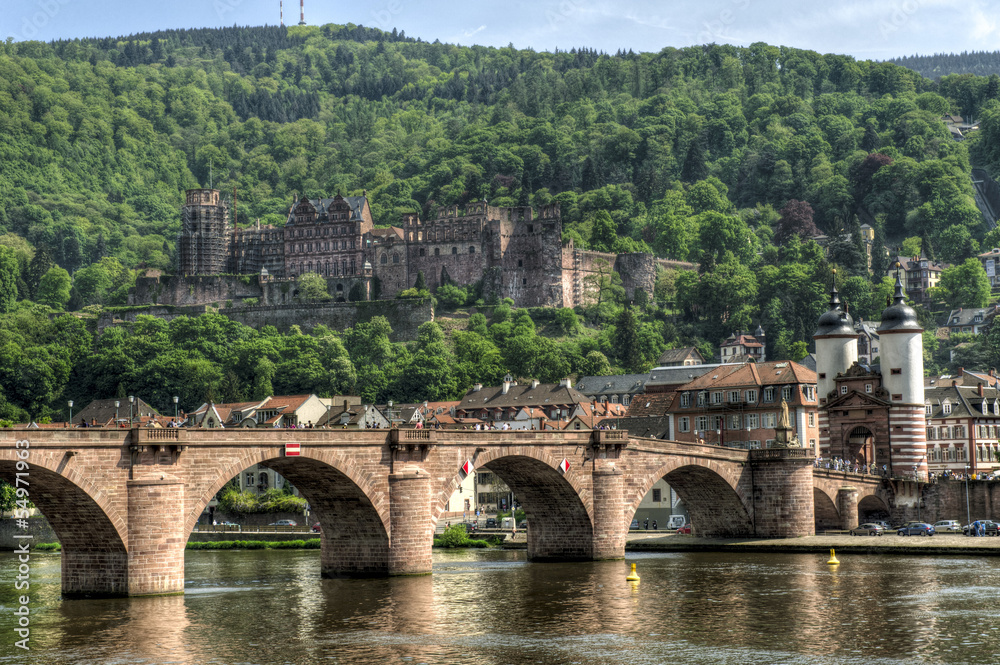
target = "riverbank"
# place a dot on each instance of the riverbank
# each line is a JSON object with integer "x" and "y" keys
{"x": 946, "y": 544}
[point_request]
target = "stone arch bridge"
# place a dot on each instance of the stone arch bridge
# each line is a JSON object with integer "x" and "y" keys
{"x": 123, "y": 501}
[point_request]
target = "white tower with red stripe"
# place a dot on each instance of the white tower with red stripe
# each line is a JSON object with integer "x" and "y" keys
{"x": 836, "y": 351}
{"x": 902, "y": 366}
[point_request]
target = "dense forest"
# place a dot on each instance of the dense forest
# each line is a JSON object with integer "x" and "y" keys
{"x": 731, "y": 158}
{"x": 980, "y": 63}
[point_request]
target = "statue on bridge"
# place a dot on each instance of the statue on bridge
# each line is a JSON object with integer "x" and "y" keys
{"x": 784, "y": 433}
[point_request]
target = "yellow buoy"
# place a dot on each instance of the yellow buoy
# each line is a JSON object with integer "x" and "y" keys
{"x": 833, "y": 558}
{"x": 633, "y": 576}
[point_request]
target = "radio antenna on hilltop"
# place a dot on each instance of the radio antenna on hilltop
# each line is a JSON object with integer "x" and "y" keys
{"x": 302, "y": 12}
{"x": 281, "y": 12}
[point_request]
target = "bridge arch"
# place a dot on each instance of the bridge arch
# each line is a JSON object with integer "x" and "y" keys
{"x": 710, "y": 490}
{"x": 825, "y": 510}
{"x": 352, "y": 511}
{"x": 93, "y": 533}
{"x": 557, "y": 505}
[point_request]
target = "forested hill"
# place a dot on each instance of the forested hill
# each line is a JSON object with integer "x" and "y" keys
{"x": 100, "y": 137}
{"x": 729, "y": 157}
{"x": 980, "y": 63}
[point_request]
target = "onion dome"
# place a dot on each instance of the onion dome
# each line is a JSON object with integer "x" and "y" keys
{"x": 899, "y": 316}
{"x": 835, "y": 321}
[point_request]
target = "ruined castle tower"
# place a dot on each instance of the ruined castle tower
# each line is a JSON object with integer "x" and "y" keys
{"x": 203, "y": 243}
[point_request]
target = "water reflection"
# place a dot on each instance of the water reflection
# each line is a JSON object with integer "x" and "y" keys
{"x": 493, "y": 608}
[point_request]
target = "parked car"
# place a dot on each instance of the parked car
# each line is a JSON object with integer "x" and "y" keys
{"x": 947, "y": 526}
{"x": 523, "y": 524}
{"x": 686, "y": 530}
{"x": 990, "y": 527}
{"x": 916, "y": 529}
{"x": 284, "y": 523}
{"x": 869, "y": 529}
{"x": 491, "y": 523}
{"x": 634, "y": 524}
{"x": 316, "y": 528}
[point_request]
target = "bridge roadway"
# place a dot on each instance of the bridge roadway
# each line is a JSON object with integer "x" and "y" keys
{"x": 123, "y": 501}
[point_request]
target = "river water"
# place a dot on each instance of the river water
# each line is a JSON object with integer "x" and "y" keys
{"x": 492, "y": 608}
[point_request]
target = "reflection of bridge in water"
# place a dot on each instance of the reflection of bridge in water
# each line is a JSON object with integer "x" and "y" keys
{"x": 123, "y": 502}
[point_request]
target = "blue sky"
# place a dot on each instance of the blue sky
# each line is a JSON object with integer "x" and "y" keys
{"x": 865, "y": 29}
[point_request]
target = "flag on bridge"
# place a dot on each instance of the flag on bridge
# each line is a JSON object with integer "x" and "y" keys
{"x": 291, "y": 450}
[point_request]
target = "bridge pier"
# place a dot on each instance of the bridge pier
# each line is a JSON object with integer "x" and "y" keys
{"x": 847, "y": 504}
{"x": 412, "y": 534}
{"x": 783, "y": 504}
{"x": 610, "y": 523}
{"x": 156, "y": 537}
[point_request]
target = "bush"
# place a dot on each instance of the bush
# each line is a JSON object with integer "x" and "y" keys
{"x": 311, "y": 544}
{"x": 456, "y": 536}
{"x": 451, "y": 296}
{"x": 48, "y": 547}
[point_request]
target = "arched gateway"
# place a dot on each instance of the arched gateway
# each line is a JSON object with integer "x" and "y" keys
{"x": 123, "y": 502}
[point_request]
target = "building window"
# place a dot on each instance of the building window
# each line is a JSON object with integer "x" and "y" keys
{"x": 384, "y": 260}
{"x": 786, "y": 393}
{"x": 657, "y": 495}
{"x": 472, "y": 250}
{"x": 395, "y": 258}
{"x": 701, "y": 398}
{"x": 946, "y": 408}
{"x": 812, "y": 420}
{"x": 626, "y": 400}
{"x": 717, "y": 398}
{"x": 753, "y": 421}
{"x": 702, "y": 423}
{"x": 751, "y": 396}
{"x": 437, "y": 251}
{"x": 249, "y": 480}
{"x": 685, "y": 400}
{"x": 770, "y": 420}
{"x": 454, "y": 250}
{"x": 896, "y": 370}
{"x": 843, "y": 390}
{"x": 769, "y": 394}
{"x": 685, "y": 424}
{"x": 734, "y": 422}
{"x": 734, "y": 396}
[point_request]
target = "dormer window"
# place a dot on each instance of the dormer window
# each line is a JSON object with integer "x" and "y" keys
{"x": 685, "y": 400}
{"x": 946, "y": 408}
{"x": 928, "y": 409}
{"x": 984, "y": 408}
{"x": 996, "y": 408}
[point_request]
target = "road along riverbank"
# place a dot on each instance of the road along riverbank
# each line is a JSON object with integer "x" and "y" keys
{"x": 957, "y": 544}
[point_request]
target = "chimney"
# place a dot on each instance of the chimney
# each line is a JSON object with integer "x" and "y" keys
{"x": 534, "y": 383}
{"x": 566, "y": 382}
{"x": 979, "y": 389}
{"x": 507, "y": 381}
{"x": 954, "y": 383}
{"x": 476, "y": 387}
{"x": 961, "y": 371}
{"x": 345, "y": 405}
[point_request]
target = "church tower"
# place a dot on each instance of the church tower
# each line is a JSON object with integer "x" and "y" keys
{"x": 203, "y": 243}
{"x": 836, "y": 352}
{"x": 902, "y": 364}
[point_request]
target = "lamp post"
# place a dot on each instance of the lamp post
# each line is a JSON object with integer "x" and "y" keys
{"x": 117, "y": 404}
{"x": 718, "y": 432}
{"x": 175, "y": 407}
{"x": 71, "y": 412}
{"x": 328, "y": 413}
{"x": 390, "y": 413}
{"x": 968, "y": 518}
{"x": 131, "y": 401}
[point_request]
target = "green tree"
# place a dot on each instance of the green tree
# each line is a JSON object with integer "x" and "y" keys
{"x": 313, "y": 286}
{"x": 53, "y": 288}
{"x": 9, "y": 273}
{"x": 964, "y": 285}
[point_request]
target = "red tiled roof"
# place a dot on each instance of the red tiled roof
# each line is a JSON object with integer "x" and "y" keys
{"x": 752, "y": 374}
{"x": 651, "y": 405}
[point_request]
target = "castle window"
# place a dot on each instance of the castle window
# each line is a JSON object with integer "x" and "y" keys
{"x": 524, "y": 281}
{"x": 896, "y": 370}
{"x": 520, "y": 263}
{"x": 421, "y": 251}
{"x": 843, "y": 390}
{"x": 868, "y": 387}
{"x": 454, "y": 250}
{"x": 384, "y": 260}
{"x": 437, "y": 251}
{"x": 472, "y": 250}
{"x": 395, "y": 258}
{"x": 531, "y": 228}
